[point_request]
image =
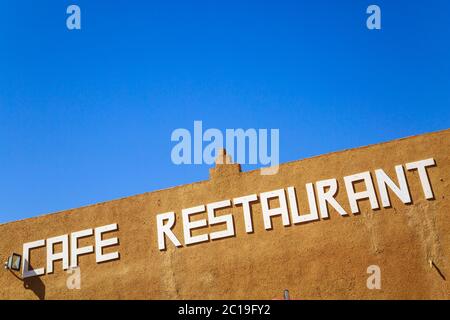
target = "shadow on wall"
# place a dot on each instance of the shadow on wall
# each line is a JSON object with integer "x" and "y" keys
{"x": 34, "y": 284}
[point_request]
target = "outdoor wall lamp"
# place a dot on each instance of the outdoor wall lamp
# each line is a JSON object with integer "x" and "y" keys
{"x": 13, "y": 262}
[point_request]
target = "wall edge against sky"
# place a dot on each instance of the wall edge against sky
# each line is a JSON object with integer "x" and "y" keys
{"x": 241, "y": 173}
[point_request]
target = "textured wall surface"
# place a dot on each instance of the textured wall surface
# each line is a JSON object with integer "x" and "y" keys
{"x": 326, "y": 259}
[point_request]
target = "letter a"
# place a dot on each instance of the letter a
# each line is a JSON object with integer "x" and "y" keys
{"x": 374, "y": 20}
{"x": 74, "y": 20}
{"x": 74, "y": 281}
{"x": 374, "y": 281}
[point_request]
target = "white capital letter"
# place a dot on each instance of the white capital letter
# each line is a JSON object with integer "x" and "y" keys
{"x": 63, "y": 255}
{"x": 188, "y": 225}
{"x": 281, "y": 210}
{"x": 75, "y": 251}
{"x": 328, "y": 197}
{"x": 312, "y": 215}
{"x": 166, "y": 229}
{"x": 353, "y": 196}
{"x": 421, "y": 168}
{"x": 100, "y": 243}
{"x": 228, "y": 219}
{"x": 383, "y": 181}
{"x": 26, "y": 273}
{"x": 245, "y": 201}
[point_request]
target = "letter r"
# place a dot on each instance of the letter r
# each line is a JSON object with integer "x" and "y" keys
{"x": 166, "y": 229}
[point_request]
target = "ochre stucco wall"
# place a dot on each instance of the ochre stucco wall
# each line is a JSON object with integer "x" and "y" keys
{"x": 326, "y": 259}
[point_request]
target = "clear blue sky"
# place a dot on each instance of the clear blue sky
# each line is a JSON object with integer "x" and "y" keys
{"x": 86, "y": 116}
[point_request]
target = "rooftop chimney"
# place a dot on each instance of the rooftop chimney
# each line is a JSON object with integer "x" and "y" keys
{"x": 224, "y": 166}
